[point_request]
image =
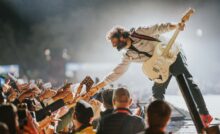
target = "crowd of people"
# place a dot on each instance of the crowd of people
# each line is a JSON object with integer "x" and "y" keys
{"x": 36, "y": 108}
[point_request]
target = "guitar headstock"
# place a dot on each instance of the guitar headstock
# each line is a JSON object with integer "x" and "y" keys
{"x": 88, "y": 82}
{"x": 187, "y": 15}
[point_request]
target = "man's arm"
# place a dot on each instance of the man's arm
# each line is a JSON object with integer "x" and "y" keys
{"x": 117, "y": 72}
{"x": 157, "y": 29}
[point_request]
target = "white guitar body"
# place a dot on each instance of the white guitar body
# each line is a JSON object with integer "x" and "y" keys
{"x": 157, "y": 67}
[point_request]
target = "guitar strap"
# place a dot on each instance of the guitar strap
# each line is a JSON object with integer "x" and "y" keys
{"x": 143, "y": 37}
{"x": 139, "y": 52}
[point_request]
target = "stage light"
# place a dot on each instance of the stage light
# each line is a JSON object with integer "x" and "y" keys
{"x": 199, "y": 32}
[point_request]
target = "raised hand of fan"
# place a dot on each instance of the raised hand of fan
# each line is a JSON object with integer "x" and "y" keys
{"x": 88, "y": 82}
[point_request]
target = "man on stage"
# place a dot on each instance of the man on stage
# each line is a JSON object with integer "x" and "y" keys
{"x": 139, "y": 45}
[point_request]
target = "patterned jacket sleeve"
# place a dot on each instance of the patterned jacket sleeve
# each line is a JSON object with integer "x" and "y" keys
{"x": 118, "y": 71}
{"x": 155, "y": 29}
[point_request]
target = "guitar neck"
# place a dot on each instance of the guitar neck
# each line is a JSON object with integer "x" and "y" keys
{"x": 170, "y": 43}
{"x": 176, "y": 33}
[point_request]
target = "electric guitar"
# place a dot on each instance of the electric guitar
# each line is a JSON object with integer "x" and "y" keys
{"x": 157, "y": 67}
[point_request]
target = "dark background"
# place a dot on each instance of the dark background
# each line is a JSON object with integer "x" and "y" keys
{"x": 74, "y": 31}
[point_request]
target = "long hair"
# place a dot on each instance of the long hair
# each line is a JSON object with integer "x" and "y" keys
{"x": 115, "y": 30}
{"x": 3, "y": 128}
{"x": 8, "y": 115}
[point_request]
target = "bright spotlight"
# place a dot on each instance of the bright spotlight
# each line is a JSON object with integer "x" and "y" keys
{"x": 199, "y": 32}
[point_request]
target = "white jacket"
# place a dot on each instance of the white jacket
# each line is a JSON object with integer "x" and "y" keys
{"x": 142, "y": 45}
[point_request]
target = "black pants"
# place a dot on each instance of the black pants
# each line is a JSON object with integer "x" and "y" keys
{"x": 180, "y": 67}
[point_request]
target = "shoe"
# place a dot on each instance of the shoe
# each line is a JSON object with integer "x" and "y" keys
{"x": 206, "y": 119}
